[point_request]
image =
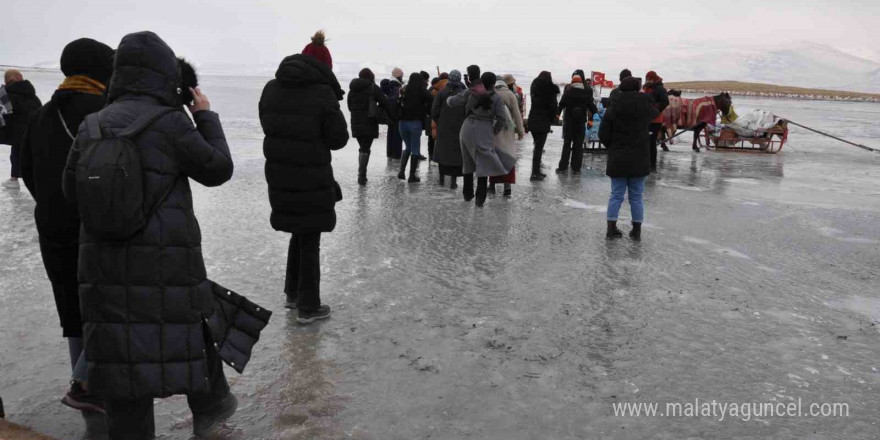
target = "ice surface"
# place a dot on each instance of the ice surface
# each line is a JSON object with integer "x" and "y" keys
{"x": 756, "y": 282}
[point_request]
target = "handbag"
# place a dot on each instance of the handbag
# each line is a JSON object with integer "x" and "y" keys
{"x": 374, "y": 111}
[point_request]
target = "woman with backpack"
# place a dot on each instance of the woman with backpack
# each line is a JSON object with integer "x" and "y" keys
{"x": 415, "y": 106}
{"x": 144, "y": 292}
{"x": 368, "y": 107}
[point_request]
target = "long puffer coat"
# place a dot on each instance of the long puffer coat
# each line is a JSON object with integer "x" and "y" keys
{"x": 144, "y": 300}
{"x": 302, "y": 121}
{"x": 543, "y": 111}
{"x": 44, "y": 151}
{"x": 447, "y": 150}
{"x": 360, "y": 92}
{"x": 624, "y": 131}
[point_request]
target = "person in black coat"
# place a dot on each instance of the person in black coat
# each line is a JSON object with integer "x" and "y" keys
{"x": 303, "y": 123}
{"x": 541, "y": 117}
{"x": 624, "y": 74}
{"x": 145, "y": 299}
{"x": 624, "y": 131}
{"x": 655, "y": 89}
{"x": 365, "y": 102}
{"x": 87, "y": 65}
{"x": 394, "y": 143}
{"x": 577, "y": 103}
{"x": 415, "y": 106}
{"x": 24, "y": 102}
{"x": 447, "y": 151}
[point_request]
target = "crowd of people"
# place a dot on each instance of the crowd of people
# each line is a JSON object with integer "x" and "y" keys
{"x": 110, "y": 157}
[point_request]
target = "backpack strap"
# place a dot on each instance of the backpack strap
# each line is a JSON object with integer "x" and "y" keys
{"x": 144, "y": 120}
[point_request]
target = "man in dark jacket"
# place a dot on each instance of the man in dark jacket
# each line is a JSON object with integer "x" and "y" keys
{"x": 24, "y": 102}
{"x": 541, "y": 117}
{"x": 87, "y": 66}
{"x": 578, "y": 105}
{"x": 145, "y": 299}
{"x": 364, "y": 98}
{"x": 654, "y": 88}
{"x": 302, "y": 121}
{"x": 624, "y": 131}
{"x": 624, "y": 74}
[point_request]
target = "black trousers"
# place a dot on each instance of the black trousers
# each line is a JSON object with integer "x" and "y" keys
{"x": 303, "y": 279}
{"x": 16, "y": 161}
{"x": 394, "y": 144}
{"x": 365, "y": 144}
{"x": 654, "y": 134}
{"x": 134, "y": 419}
{"x": 431, "y": 142}
{"x": 573, "y": 146}
{"x": 540, "y": 141}
{"x": 60, "y": 261}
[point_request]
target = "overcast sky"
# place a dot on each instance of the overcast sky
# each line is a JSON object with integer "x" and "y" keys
{"x": 422, "y": 33}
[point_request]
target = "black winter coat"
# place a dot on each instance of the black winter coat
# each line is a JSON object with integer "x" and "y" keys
{"x": 415, "y": 104}
{"x": 577, "y": 103}
{"x": 24, "y": 103}
{"x": 447, "y": 150}
{"x": 659, "y": 96}
{"x": 302, "y": 121}
{"x": 144, "y": 300}
{"x": 360, "y": 92}
{"x": 542, "y": 115}
{"x": 624, "y": 131}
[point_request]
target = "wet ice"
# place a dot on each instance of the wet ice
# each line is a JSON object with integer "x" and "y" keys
{"x": 520, "y": 320}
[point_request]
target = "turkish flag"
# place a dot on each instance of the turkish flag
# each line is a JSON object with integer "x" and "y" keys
{"x": 598, "y": 77}
{"x": 608, "y": 84}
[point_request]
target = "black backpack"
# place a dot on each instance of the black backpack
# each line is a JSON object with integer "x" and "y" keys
{"x": 109, "y": 179}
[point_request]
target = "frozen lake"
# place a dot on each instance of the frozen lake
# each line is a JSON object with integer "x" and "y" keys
{"x": 756, "y": 281}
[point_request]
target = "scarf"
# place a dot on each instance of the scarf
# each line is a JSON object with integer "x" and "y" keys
{"x": 83, "y": 84}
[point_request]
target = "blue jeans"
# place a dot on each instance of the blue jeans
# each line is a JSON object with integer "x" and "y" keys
{"x": 619, "y": 187}
{"x": 411, "y": 132}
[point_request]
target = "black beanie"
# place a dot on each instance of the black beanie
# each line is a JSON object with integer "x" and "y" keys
{"x": 473, "y": 72}
{"x": 625, "y": 73}
{"x": 630, "y": 84}
{"x": 88, "y": 57}
{"x": 488, "y": 79}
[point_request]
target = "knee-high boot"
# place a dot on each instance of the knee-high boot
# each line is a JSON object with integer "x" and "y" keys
{"x": 468, "y": 187}
{"x": 482, "y": 186}
{"x": 403, "y": 159}
{"x": 363, "y": 161}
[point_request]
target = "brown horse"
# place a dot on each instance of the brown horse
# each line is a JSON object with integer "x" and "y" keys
{"x": 696, "y": 114}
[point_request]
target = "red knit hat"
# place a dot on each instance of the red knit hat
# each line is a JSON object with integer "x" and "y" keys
{"x": 576, "y": 79}
{"x": 653, "y": 77}
{"x": 318, "y": 50}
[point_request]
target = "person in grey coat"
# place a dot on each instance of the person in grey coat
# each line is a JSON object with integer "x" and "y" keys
{"x": 486, "y": 117}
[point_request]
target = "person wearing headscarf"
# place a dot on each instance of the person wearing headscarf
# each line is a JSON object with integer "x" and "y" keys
{"x": 437, "y": 84}
{"x": 624, "y": 131}
{"x": 87, "y": 66}
{"x": 654, "y": 88}
{"x": 415, "y": 106}
{"x": 542, "y": 115}
{"x": 448, "y": 121}
{"x": 507, "y": 137}
{"x": 365, "y": 103}
{"x": 577, "y": 103}
{"x": 486, "y": 116}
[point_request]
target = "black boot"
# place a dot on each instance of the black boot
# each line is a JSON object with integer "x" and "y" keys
{"x": 468, "y": 190}
{"x": 414, "y": 170}
{"x": 403, "y": 159}
{"x": 636, "y": 233}
{"x": 442, "y": 179}
{"x": 482, "y": 184}
{"x": 507, "y": 190}
{"x": 537, "y": 175}
{"x": 613, "y": 232}
{"x": 454, "y": 183}
{"x": 363, "y": 161}
{"x": 491, "y": 188}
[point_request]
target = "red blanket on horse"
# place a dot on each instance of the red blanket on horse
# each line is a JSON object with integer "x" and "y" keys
{"x": 691, "y": 112}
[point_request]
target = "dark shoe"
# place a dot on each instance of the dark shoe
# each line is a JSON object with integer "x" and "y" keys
{"x": 421, "y": 157}
{"x": 403, "y": 160}
{"x": 697, "y": 149}
{"x": 575, "y": 172}
{"x": 414, "y": 171}
{"x": 561, "y": 170}
{"x": 636, "y": 233}
{"x": 206, "y": 424}
{"x": 454, "y": 183}
{"x": 613, "y": 232}
{"x": 536, "y": 177}
{"x": 291, "y": 302}
{"x": 468, "y": 190}
{"x": 481, "y": 191}
{"x": 663, "y": 146}
{"x": 442, "y": 180}
{"x": 305, "y": 317}
{"x": 507, "y": 190}
{"x": 80, "y": 399}
{"x": 491, "y": 188}
{"x": 363, "y": 161}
